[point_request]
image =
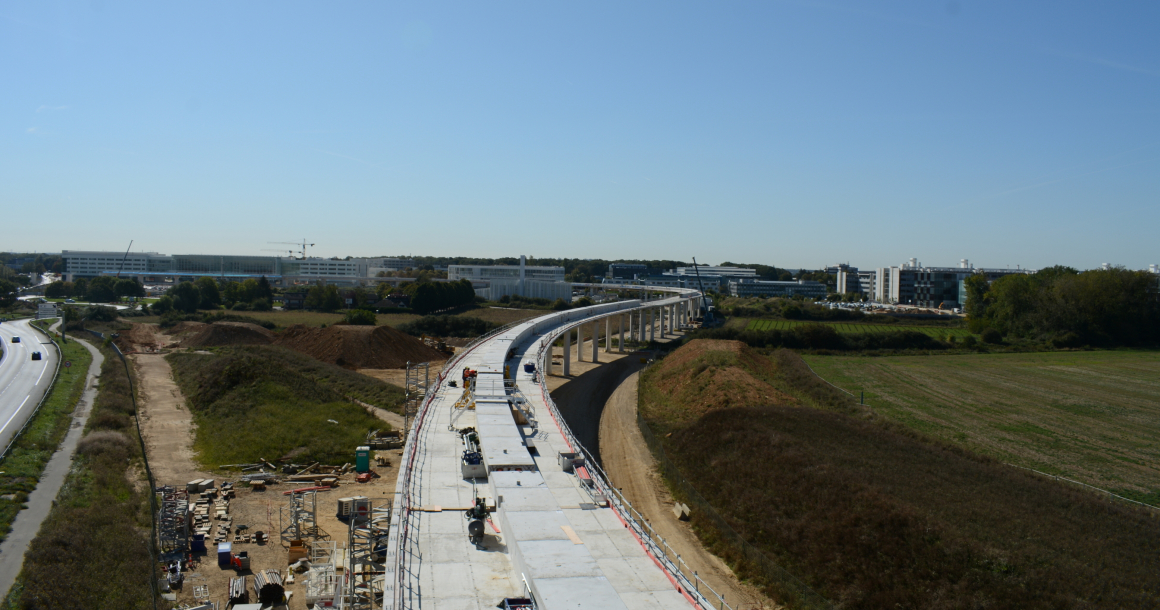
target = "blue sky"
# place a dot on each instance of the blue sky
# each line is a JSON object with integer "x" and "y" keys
{"x": 788, "y": 133}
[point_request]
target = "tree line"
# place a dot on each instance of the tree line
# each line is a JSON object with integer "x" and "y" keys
{"x": 102, "y": 289}
{"x": 209, "y": 293}
{"x": 1101, "y": 307}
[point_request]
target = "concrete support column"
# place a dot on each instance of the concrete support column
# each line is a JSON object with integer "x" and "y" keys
{"x": 652, "y": 323}
{"x": 608, "y": 334}
{"x": 661, "y": 319}
{"x": 567, "y": 353}
{"x": 620, "y": 344}
{"x": 595, "y": 341}
{"x": 580, "y": 343}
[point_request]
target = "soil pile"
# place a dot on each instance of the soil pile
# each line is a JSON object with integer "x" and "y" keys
{"x": 229, "y": 333}
{"x": 708, "y": 375}
{"x": 359, "y": 347}
{"x": 184, "y": 329}
{"x": 141, "y": 337}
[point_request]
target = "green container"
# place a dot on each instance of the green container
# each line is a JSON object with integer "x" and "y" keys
{"x": 362, "y": 459}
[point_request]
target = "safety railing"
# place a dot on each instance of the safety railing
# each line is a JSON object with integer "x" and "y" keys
{"x": 686, "y": 579}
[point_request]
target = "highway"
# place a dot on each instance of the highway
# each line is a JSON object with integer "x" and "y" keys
{"x": 558, "y": 532}
{"x": 23, "y": 381}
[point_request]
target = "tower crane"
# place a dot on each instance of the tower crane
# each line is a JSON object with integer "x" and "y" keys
{"x": 303, "y": 245}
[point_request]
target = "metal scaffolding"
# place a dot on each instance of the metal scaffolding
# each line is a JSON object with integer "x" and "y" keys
{"x": 173, "y": 519}
{"x": 418, "y": 380}
{"x": 298, "y": 519}
{"x": 367, "y": 544}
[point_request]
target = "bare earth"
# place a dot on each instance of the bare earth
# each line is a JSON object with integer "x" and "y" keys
{"x": 166, "y": 423}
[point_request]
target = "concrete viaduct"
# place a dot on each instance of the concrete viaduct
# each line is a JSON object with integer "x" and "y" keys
{"x": 559, "y": 534}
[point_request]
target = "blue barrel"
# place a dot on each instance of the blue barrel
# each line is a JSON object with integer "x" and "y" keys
{"x": 529, "y": 367}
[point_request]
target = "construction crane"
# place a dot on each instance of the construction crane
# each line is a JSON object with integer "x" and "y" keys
{"x": 303, "y": 245}
{"x": 124, "y": 259}
{"x": 290, "y": 252}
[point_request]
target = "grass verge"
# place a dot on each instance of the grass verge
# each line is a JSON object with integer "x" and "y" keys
{"x": 872, "y": 514}
{"x": 20, "y": 470}
{"x": 252, "y": 402}
{"x": 93, "y": 550}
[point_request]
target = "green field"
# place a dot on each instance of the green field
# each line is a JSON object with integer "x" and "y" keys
{"x": 1089, "y": 416}
{"x": 847, "y": 328}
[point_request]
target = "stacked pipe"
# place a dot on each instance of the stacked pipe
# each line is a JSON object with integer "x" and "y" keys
{"x": 238, "y": 594}
{"x": 268, "y": 586}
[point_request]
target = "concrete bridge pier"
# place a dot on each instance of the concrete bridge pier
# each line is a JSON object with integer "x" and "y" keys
{"x": 620, "y": 344}
{"x": 567, "y": 353}
{"x": 595, "y": 341}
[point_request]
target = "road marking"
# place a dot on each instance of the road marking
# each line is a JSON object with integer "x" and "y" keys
{"x": 5, "y": 426}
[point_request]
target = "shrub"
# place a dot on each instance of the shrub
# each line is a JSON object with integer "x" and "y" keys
{"x": 104, "y": 441}
{"x": 447, "y": 326}
{"x": 359, "y": 317}
{"x": 993, "y": 336}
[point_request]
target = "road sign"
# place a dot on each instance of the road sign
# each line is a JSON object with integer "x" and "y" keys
{"x": 67, "y": 364}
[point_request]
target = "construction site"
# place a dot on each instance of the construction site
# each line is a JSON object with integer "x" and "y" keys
{"x": 277, "y": 532}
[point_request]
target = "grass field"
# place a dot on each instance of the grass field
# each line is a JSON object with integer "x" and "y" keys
{"x": 1089, "y": 416}
{"x": 847, "y": 328}
{"x": 872, "y": 514}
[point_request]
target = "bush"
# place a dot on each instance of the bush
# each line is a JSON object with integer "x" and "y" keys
{"x": 240, "y": 306}
{"x": 261, "y": 304}
{"x": 1067, "y": 339}
{"x": 992, "y": 336}
{"x": 104, "y": 441}
{"x": 359, "y": 317}
{"x": 447, "y": 326}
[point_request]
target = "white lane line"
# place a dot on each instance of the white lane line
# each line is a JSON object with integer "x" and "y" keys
{"x": 5, "y": 426}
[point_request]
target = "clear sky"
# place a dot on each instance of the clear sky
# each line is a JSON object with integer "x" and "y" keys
{"x": 787, "y": 133}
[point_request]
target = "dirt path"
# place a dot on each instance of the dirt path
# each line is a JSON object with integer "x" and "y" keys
{"x": 632, "y": 469}
{"x": 165, "y": 422}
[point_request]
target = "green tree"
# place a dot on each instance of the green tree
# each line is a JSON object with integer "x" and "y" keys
{"x": 263, "y": 290}
{"x": 7, "y": 293}
{"x": 323, "y": 298}
{"x": 126, "y": 287}
{"x": 163, "y": 305}
{"x": 976, "y": 287}
{"x": 102, "y": 289}
{"x": 186, "y": 297}
{"x": 207, "y": 288}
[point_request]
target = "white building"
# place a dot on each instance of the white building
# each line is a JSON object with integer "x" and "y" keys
{"x": 744, "y": 287}
{"x": 496, "y": 281}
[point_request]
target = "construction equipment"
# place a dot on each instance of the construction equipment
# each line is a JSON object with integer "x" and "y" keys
{"x": 476, "y": 516}
{"x": 301, "y": 252}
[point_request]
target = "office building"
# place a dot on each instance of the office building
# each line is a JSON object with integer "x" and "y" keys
{"x": 745, "y": 287}
{"x": 493, "y": 282}
{"x": 626, "y": 271}
{"x": 912, "y": 284}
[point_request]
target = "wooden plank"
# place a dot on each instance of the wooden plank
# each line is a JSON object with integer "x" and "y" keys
{"x": 571, "y": 534}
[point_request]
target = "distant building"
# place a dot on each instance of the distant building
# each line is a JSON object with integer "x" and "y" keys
{"x": 729, "y": 272}
{"x": 912, "y": 284}
{"x": 744, "y": 287}
{"x": 157, "y": 268}
{"x": 494, "y": 282}
{"x": 626, "y": 271}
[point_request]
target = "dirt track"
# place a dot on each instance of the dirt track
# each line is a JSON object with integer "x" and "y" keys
{"x": 166, "y": 422}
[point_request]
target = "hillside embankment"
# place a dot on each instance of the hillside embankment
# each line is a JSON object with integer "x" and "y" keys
{"x": 266, "y": 402}
{"x": 873, "y": 515}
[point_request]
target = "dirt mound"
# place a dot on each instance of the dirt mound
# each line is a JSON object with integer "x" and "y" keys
{"x": 359, "y": 347}
{"x": 229, "y": 333}
{"x": 182, "y": 329}
{"x": 707, "y": 375}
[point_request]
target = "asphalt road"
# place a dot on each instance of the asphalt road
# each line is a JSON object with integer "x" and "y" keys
{"x": 23, "y": 381}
